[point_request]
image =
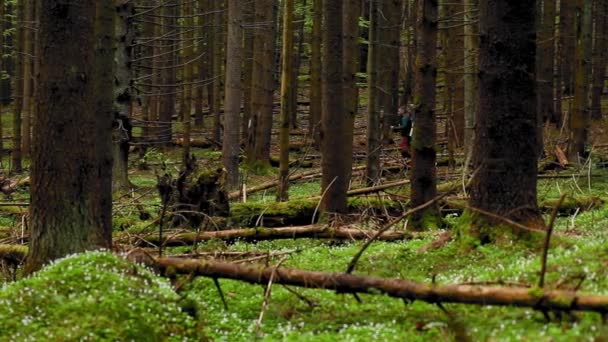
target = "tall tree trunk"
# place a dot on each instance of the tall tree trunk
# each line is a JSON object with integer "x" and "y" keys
{"x": 373, "y": 97}
{"x": 18, "y": 90}
{"x": 470, "y": 75}
{"x": 351, "y": 55}
{"x": 579, "y": 118}
{"x": 546, "y": 59}
{"x": 2, "y": 69}
{"x": 409, "y": 60}
{"x": 188, "y": 79}
{"x": 105, "y": 24}
{"x": 316, "y": 91}
{"x": 287, "y": 104}
{"x": 424, "y": 173}
{"x": 218, "y": 61}
{"x": 336, "y": 149}
{"x": 248, "y": 67}
{"x": 62, "y": 219}
{"x": 28, "y": 70}
{"x": 122, "y": 132}
{"x": 506, "y": 143}
{"x": 234, "y": 91}
{"x": 167, "y": 91}
{"x": 600, "y": 57}
{"x": 389, "y": 35}
{"x": 263, "y": 84}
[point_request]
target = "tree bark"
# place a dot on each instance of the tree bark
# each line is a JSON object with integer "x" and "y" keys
{"x": 580, "y": 116}
{"x": 599, "y": 58}
{"x": 336, "y": 148}
{"x": 234, "y": 92}
{"x": 374, "y": 130}
{"x": 470, "y": 75}
{"x": 18, "y": 90}
{"x": 260, "y": 124}
{"x": 316, "y": 91}
{"x": 506, "y": 143}
{"x": 538, "y": 299}
{"x": 424, "y": 155}
{"x": 287, "y": 103}
{"x": 62, "y": 219}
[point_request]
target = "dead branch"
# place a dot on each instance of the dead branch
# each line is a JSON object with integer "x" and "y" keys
{"x": 539, "y": 299}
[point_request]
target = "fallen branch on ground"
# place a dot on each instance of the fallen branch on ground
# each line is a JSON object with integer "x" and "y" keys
{"x": 399, "y": 288}
{"x": 260, "y": 234}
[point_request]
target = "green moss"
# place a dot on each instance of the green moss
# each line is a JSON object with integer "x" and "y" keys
{"x": 93, "y": 296}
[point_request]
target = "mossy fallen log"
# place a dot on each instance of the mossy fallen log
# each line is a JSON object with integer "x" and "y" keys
{"x": 568, "y": 207}
{"x": 261, "y": 234}
{"x": 13, "y": 254}
{"x": 536, "y": 298}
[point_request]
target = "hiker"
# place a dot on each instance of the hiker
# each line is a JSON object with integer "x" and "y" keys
{"x": 405, "y": 127}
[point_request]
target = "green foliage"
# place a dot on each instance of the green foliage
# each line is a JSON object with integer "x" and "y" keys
{"x": 93, "y": 297}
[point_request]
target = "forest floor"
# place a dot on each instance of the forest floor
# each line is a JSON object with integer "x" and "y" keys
{"x": 578, "y": 258}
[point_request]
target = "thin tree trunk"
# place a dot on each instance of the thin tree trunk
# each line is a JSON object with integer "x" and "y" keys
{"x": 188, "y": 79}
{"x": 218, "y": 58}
{"x": 316, "y": 91}
{"x": 470, "y": 75}
{"x": 27, "y": 55}
{"x": 248, "y": 47}
{"x": 234, "y": 92}
{"x": 18, "y": 90}
{"x": 546, "y": 59}
{"x": 599, "y": 58}
{"x": 287, "y": 105}
{"x": 373, "y": 114}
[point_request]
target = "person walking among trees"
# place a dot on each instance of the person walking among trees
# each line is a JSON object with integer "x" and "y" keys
{"x": 405, "y": 127}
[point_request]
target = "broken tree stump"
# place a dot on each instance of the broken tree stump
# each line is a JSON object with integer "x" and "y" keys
{"x": 195, "y": 195}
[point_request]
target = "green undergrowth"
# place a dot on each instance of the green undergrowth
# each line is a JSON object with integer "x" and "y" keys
{"x": 93, "y": 297}
{"x": 380, "y": 318}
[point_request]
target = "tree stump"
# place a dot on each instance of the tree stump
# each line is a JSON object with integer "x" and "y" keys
{"x": 195, "y": 196}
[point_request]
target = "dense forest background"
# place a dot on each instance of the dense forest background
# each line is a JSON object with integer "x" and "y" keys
{"x": 265, "y": 142}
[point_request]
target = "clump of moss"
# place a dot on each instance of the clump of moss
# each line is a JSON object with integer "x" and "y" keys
{"x": 93, "y": 296}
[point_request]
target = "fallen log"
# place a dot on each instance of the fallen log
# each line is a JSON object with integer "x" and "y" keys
{"x": 540, "y": 299}
{"x": 260, "y": 234}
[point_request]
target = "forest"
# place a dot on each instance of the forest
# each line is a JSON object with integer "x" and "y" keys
{"x": 303, "y": 170}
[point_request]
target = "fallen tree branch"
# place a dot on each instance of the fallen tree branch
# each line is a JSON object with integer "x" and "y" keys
{"x": 260, "y": 234}
{"x": 539, "y": 299}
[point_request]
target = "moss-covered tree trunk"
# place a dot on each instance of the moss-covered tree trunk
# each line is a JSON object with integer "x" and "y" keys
{"x": 506, "y": 143}
{"x": 287, "y": 105}
{"x": 424, "y": 155}
{"x": 63, "y": 220}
